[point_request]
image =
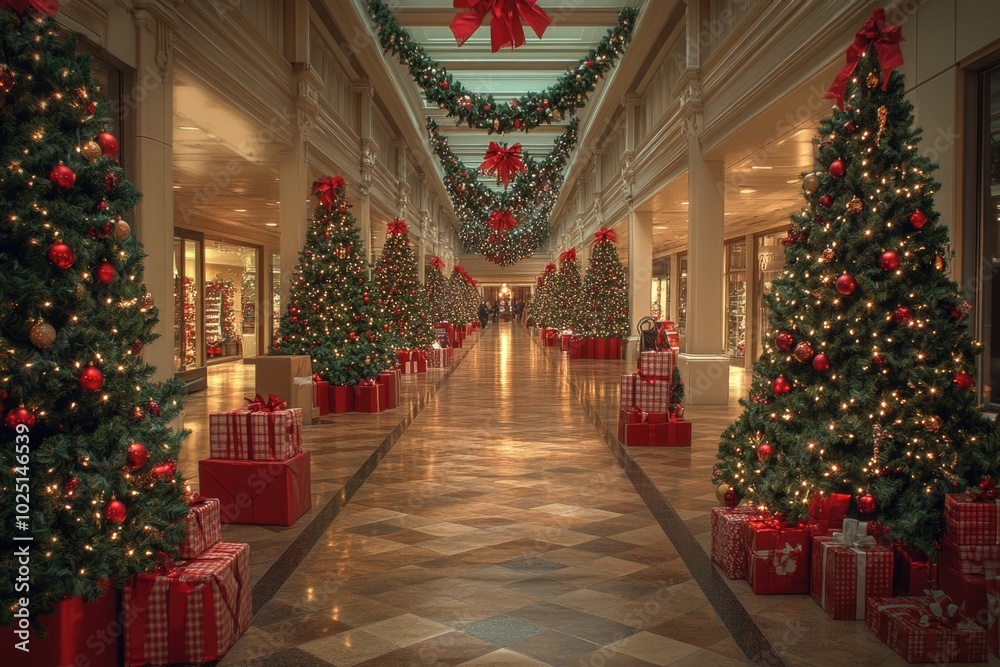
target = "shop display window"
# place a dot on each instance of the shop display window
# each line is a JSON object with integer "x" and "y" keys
{"x": 230, "y": 301}
{"x": 187, "y": 304}
{"x": 736, "y": 299}
{"x": 682, "y": 288}
{"x": 769, "y": 266}
{"x": 988, "y": 298}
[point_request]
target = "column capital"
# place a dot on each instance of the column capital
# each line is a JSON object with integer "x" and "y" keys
{"x": 153, "y": 19}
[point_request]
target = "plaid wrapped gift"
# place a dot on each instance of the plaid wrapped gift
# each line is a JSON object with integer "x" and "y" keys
{"x": 224, "y": 440}
{"x": 272, "y": 436}
{"x": 193, "y": 613}
{"x": 971, "y": 520}
{"x": 779, "y": 556}
{"x": 439, "y": 358}
{"x": 981, "y": 559}
{"x": 729, "y": 544}
{"x": 848, "y": 568}
{"x": 658, "y": 365}
{"x": 926, "y": 629}
{"x": 647, "y": 396}
{"x": 202, "y": 528}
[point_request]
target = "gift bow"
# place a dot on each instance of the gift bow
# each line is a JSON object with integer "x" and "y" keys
{"x": 941, "y": 609}
{"x": 636, "y": 412}
{"x": 49, "y": 7}
{"x": 397, "y": 226}
{"x": 437, "y": 263}
{"x": 505, "y": 24}
{"x": 502, "y": 221}
{"x": 329, "y": 190}
{"x": 786, "y": 561}
{"x": 605, "y": 235}
{"x": 258, "y": 404}
{"x": 550, "y": 267}
{"x": 568, "y": 256}
{"x": 852, "y": 534}
{"x": 504, "y": 162}
{"x": 886, "y": 39}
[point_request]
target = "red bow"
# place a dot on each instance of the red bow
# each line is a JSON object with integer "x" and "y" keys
{"x": 505, "y": 24}
{"x": 329, "y": 190}
{"x": 504, "y": 162}
{"x": 49, "y": 7}
{"x": 474, "y": 282}
{"x": 257, "y": 404}
{"x": 397, "y": 226}
{"x": 437, "y": 263}
{"x": 886, "y": 39}
{"x": 605, "y": 235}
{"x": 549, "y": 268}
{"x": 568, "y": 256}
{"x": 502, "y": 221}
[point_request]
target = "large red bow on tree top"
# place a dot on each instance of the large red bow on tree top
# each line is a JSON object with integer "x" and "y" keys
{"x": 504, "y": 162}
{"x": 568, "y": 256}
{"x": 437, "y": 263}
{"x": 605, "y": 235}
{"x": 505, "y": 24}
{"x": 397, "y": 226}
{"x": 886, "y": 39}
{"x": 49, "y": 7}
{"x": 550, "y": 267}
{"x": 502, "y": 221}
{"x": 329, "y": 190}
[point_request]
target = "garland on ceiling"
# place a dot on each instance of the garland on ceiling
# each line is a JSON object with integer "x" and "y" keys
{"x": 527, "y": 112}
{"x": 507, "y": 226}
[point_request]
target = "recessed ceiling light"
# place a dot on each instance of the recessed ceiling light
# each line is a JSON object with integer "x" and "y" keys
{"x": 177, "y": 187}
{"x": 240, "y": 210}
{"x": 270, "y": 224}
{"x": 747, "y": 191}
{"x": 685, "y": 203}
{"x": 190, "y": 128}
{"x": 757, "y": 166}
{"x": 727, "y": 214}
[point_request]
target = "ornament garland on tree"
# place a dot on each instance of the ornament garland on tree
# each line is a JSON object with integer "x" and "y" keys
{"x": 401, "y": 297}
{"x": 605, "y": 287}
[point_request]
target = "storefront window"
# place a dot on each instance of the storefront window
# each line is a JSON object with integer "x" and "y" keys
{"x": 770, "y": 265}
{"x": 230, "y": 301}
{"x": 682, "y": 290}
{"x": 660, "y": 294}
{"x": 736, "y": 299}
{"x": 187, "y": 305}
{"x": 275, "y": 293}
{"x": 989, "y": 223}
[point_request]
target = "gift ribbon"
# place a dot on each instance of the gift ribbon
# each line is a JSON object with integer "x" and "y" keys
{"x": 397, "y": 226}
{"x": 854, "y": 534}
{"x": 48, "y": 7}
{"x": 504, "y": 162}
{"x": 605, "y": 235}
{"x": 786, "y": 560}
{"x": 886, "y": 39}
{"x": 329, "y": 190}
{"x": 568, "y": 256}
{"x": 258, "y": 404}
{"x": 505, "y": 23}
{"x": 941, "y": 610}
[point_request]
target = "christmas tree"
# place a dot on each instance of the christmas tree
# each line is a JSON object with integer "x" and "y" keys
{"x": 866, "y": 383}
{"x": 400, "y": 296}
{"x": 332, "y": 313}
{"x": 87, "y": 461}
{"x": 539, "y": 309}
{"x": 461, "y": 297}
{"x": 567, "y": 303}
{"x": 606, "y": 289}
{"x": 435, "y": 286}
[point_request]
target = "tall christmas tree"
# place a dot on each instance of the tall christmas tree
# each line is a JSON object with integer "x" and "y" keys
{"x": 87, "y": 461}
{"x": 605, "y": 287}
{"x": 435, "y": 286}
{"x": 462, "y": 307}
{"x": 866, "y": 384}
{"x": 567, "y": 303}
{"x": 332, "y": 313}
{"x": 401, "y": 298}
{"x": 539, "y": 309}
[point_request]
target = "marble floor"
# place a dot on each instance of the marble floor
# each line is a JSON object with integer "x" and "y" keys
{"x": 495, "y": 520}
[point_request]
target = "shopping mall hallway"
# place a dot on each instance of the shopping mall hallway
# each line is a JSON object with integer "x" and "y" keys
{"x": 498, "y": 530}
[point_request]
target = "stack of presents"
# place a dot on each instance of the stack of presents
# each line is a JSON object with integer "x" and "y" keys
{"x": 927, "y": 612}
{"x": 650, "y": 411}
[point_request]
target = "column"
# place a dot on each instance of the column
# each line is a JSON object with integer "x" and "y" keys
{"x": 425, "y": 230}
{"x": 154, "y": 221}
{"x": 640, "y": 267}
{"x": 369, "y": 154}
{"x": 675, "y": 288}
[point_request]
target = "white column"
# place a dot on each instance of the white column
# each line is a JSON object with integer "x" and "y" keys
{"x": 294, "y": 212}
{"x": 640, "y": 267}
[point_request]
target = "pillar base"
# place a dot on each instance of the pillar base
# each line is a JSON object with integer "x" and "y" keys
{"x": 706, "y": 378}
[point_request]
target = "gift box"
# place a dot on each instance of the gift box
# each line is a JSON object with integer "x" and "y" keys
{"x": 970, "y": 591}
{"x": 971, "y": 520}
{"x": 729, "y": 544}
{"x": 266, "y": 493}
{"x": 77, "y": 633}
{"x": 577, "y": 347}
{"x": 390, "y": 380}
{"x": 444, "y": 334}
{"x": 657, "y": 365}
{"x": 926, "y": 629}
{"x": 289, "y": 377}
{"x": 341, "y": 398}
{"x": 779, "y": 557}
{"x": 979, "y": 559}
{"x": 847, "y": 568}
{"x": 827, "y": 512}
{"x": 191, "y": 613}
{"x": 370, "y": 397}
{"x": 564, "y": 340}
{"x": 647, "y": 395}
{"x": 439, "y": 358}
{"x": 678, "y": 432}
{"x": 321, "y": 396}
{"x": 202, "y": 527}
{"x": 255, "y": 433}
{"x": 550, "y": 337}
{"x": 402, "y": 356}
{"x": 417, "y": 363}
{"x": 912, "y": 571}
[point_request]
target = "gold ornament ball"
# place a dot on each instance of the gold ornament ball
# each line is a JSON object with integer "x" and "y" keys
{"x": 939, "y": 262}
{"x": 872, "y": 81}
{"x": 122, "y": 230}
{"x": 42, "y": 335}
{"x": 810, "y": 183}
{"x": 368, "y": 360}
{"x": 91, "y": 150}
{"x": 932, "y": 423}
{"x": 720, "y": 492}
{"x": 854, "y": 206}
{"x": 829, "y": 255}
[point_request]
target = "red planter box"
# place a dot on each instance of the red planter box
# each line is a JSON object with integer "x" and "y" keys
{"x": 79, "y": 633}
{"x": 607, "y": 348}
{"x": 264, "y": 493}
{"x": 321, "y": 396}
{"x": 340, "y": 398}
{"x": 370, "y": 398}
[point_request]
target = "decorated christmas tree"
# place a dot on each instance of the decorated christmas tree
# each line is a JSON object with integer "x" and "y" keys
{"x": 87, "y": 461}
{"x": 332, "y": 313}
{"x": 865, "y": 386}
{"x": 539, "y": 309}
{"x": 435, "y": 287}
{"x": 462, "y": 297}
{"x": 605, "y": 288}
{"x": 401, "y": 298}
{"x": 567, "y": 304}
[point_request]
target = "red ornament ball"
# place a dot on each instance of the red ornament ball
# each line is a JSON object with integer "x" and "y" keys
{"x": 108, "y": 144}
{"x": 62, "y": 177}
{"x": 136, "y": 347}
{"x": 366, "y": 298}
{"x": 867, "y": 504}
{"x": 826, "y": 201}
{"x": 850, "y": 127}
{"x": 7, "y": 78}
{"x": 61, "y": 255}
{"x": 21, "y": 416}
{"x": 846, "y": 284}
{"x": 111, "y": 181}
{"x": 91, "y": 379}
{"x": 889, "y": 260}
{"x": 70, "y": 486}
{"x": 732, "y": 498}
{"x": 764, "y": 451}
{"x": 153, "y": 408}
{"x": 138, "y": 414}
{"x": 838, "y": 168}
{"x": 445, "y": 85}
{"x": 879, "y": 360}
{"x": 165, "y": 470}
{"x": 821, "y": 363}
{"x": 353, "y": 336}
{"x": 115, "y": 511}
{"x": 105, "y": 272}
{"x": 918, "y": 219}
{"x": 964, "y": 381}
{"x": 138, "y": 455}
{"x": 784, "y": 341}
{"x": 902, "y": 315}
{"x": 781, "y": 386}
{"x": 803, "y": 352}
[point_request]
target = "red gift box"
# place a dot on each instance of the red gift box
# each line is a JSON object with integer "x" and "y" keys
{"x": 341, "y": 398}
{"x": 77, "y": 633}
{"x": 926, "y": 629}
{"x": 848, "y": 568}
{"x": 983, "y": 559}
{"x": 551, "y": 335}
{"x": 779, "y": 557}
{"x": 202, "y": 528}
{"x": 827, "y": 512}
{"x": 912, "y": 572}
{"x": 439, "y": 358}
{"x": 729, "y": 543}
{"x": 564, "y": 340}
{"x": 970, "y": 591}
{"x": 577, "y": 347}
{"x": 321, "y": 396}
{"x": 264, "y": 493}
{"x": 678, "y": 433}
{"x": 388, "y": 379}
{"x": 449, "y": 330}
{"x": 256, "y": 435}
{"x": 418, "y": 365}
{"x": 369, "y": 397}
{"x": 970, "y": 520}
{"x": 590, "y": 348}
{"x": 633, "y": 429}
{"x": 402, "y": 356}
{"x": 192, "y": 613}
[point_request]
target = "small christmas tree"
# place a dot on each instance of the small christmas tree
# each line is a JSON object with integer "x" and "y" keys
{"x": 436, "y": 287}
{"x": 462, "y": 298}
{"x": 865, "y": 386}
{"x": 568, "y": 306}
{"x": 539, "y": 309}
{"x": 401, "y": 298}
{"x": 605, "y": 287}
{"x": 332, "y": 315}
{"x": 84, "y": 442}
